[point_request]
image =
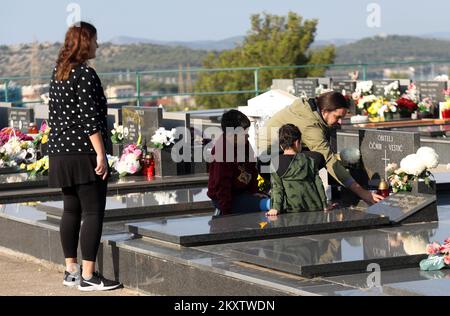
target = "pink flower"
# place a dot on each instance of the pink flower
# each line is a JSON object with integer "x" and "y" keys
{"x": 43, "y": 127}
{"x": 447, "y": 241}
{"x": 445, "y": 249}
{"x": 133, "y": 169}
{"x": 433, "y": 249}
{"x": 447, "y": 260}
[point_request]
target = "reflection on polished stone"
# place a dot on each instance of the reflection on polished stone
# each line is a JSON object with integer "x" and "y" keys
{"x": 145, "y": 199}
{"x": 438, "y": 287}
{"x": 206, "y": 229}
{"x": 341, "y": 253}
{"x": 23, "y": 211}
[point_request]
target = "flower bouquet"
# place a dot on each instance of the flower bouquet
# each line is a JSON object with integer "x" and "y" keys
{"x": 392, "y": 91}
{"x": 129, "y": 162}
{"x": 363, "y": 96}
{"x": 42, "y": 136}
{"x": 413, "y": 168}
{"x": 163, "y": 138}
{"x": 119, "y": 133}
{"x": 438, "y": 256}
{"x": 263, "y": 185}
{"x": 39, "y": 167}
{"x": 425, "y": 108}
{"x": 387, "y": 110}
{"x": 445, "y": 106}
{"x": 7, "y": 133}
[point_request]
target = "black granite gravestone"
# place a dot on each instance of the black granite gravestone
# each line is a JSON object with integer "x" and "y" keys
{"x": 142, "y": 121}
{"x": 344, "y": 85}
{"x": 20, "y": 118}
{"x": 114, "y": 116}
{"x": 305, "y": 86}
{"x": 432, "y": 89}
{"x": 379, "y": 85}
{"x": 4, "y": 106}
{"x": 405, "y": 207}
{"x": 380, "y": 148}
{"x": 202, "y": 230}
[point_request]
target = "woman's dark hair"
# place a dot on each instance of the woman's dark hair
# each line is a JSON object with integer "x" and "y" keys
{"x": 75, "y": 50}
{"x": 288, "y": 135}
{"x": 234, "y": 119}
{"x": 331, "y": 101}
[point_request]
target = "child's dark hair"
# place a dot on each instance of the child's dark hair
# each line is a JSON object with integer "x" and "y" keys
{"x": 287, "y": 135}
{"x": 234, "y": 119}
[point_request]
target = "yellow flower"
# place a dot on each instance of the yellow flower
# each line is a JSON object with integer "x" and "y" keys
{"x": 30, "y": 166}
{"x": 44, "y": 139}
{"x": 262, "y": 225}
{"x": 23, "y": 166}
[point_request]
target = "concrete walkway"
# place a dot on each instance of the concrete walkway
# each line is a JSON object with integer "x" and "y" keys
{"x": 27, "y": 276}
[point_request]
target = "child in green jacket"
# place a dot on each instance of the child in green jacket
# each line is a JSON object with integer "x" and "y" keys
{"x": 296, "y": 185}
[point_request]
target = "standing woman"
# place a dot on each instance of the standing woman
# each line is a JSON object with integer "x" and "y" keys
{"x": 78, "y": 163}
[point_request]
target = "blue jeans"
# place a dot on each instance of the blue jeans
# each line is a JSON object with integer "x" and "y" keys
{"x": 246, "y": 203}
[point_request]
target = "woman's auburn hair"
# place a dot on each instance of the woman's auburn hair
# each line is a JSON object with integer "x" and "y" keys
{"x": 75, "y": 50}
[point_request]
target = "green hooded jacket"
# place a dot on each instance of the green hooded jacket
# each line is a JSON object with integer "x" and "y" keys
{"x": 299, "y": 189}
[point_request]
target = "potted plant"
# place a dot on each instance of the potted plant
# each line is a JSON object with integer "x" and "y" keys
{"x": 425, "y": 108}
{"x": 118, "y": 136}
{"x": 162, "y": 143}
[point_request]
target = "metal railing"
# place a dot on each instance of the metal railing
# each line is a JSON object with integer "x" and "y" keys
{"x": 363, "y": 68}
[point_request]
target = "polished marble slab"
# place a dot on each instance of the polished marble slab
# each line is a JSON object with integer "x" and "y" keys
{"x": 207, "y": 229}
{"x": 339, "y": 253}
{"x": 407, "y": 207}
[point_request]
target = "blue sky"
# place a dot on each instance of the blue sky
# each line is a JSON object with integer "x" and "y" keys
{"x": 45, "y": 20}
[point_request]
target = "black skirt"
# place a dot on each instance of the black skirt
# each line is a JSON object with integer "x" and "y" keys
{"x": 70, "y": 170}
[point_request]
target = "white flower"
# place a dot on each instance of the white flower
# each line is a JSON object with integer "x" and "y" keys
{"x": 391, "y": 167}
{"x": 364, "y": 87}
{"x": 413, "y": 165}
{"x": 392, "y": 87}
{"x": 429, "y": 157}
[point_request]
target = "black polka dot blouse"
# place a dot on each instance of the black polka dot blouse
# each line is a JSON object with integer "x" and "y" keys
{"x": 77, "y": 110}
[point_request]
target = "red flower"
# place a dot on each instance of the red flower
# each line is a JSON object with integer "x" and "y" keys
{"x": 406, "y": 105}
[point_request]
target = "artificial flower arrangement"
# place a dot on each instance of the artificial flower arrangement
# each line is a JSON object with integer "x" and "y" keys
{"x": 321, "y": 90}
{"x": 8, "y": 132}
{"x": 438, "y": 256}
{"x": 392, "y": 91}
{"x": 42, "y": 136}
{"x": 445, "y": 107}
{"x": 412, "y": 168}
{"x": 407, "y": 103}
{"x": 39, "y": 167}
{"x": 263, "y": 185}
{"x": 118, "y": 134}
{"x": 129, "y": 162}
{"x": 163, "y": 138}
{"x": 363, "y": 95}
{"x": 425, "y": 105}
{"x": 387, "y": 109}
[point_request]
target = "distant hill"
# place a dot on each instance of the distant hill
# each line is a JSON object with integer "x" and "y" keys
{"x": 393, "y": 48}
{"x": 129, "y": 54}
{"x": 224, "y": 44}
{"x": 16, "y": 60}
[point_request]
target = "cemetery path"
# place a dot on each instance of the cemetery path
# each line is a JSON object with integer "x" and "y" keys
{"x": 22, "y": 275}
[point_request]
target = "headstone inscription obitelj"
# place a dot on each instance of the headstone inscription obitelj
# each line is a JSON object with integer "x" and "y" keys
{"x": 379, "y": 148}
{"x": 305, "y": 86}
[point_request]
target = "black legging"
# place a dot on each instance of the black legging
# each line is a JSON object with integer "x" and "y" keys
{"x": 87, "y": 201}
